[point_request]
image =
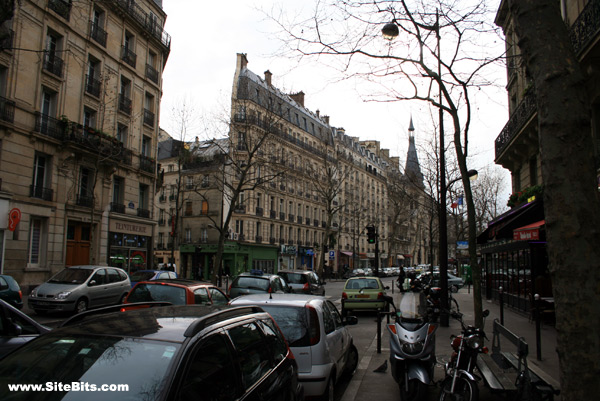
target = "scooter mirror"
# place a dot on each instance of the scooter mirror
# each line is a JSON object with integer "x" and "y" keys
{"x": 486, "y": 313}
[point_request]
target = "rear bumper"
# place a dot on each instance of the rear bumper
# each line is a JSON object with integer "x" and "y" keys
{"x": 352, "y": 304}
{"x": 315, "y": 381}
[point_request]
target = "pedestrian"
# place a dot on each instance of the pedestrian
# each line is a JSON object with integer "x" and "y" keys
{"x": 401, "y": 278}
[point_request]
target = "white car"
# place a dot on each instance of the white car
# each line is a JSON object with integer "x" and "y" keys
{"x": 316, "y": 334}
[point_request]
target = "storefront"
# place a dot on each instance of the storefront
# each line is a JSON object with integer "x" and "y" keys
{"x": 306, "y": 258}
{"x": 129, "y": 245}
{"x": 287, "y": 257}
{"x": 514, "y": 256}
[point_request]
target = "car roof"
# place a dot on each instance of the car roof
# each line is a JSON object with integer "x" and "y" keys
{"x": 275, "y": 299}
{"x": 167, "y": 323}
{"x": 295, "y": 271}
{"x": 180, "y": 282}
{"x": 363, "y": 278}
{"x": 88, "y": 267}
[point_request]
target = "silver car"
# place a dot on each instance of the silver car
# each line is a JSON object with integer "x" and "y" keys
{"x": 317, "y": 335}
{"x": 77, "y": 288}
{"x": 303, "y": 281}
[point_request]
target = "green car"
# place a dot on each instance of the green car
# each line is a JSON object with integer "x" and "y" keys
{"x": 363, "y": 293}
{"x": 10, "y": 291}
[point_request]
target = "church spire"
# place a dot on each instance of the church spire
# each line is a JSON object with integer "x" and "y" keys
{"x": 412, "y": 168}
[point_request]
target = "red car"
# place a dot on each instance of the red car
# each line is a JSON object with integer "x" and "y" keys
{"x": 177, "y": 292}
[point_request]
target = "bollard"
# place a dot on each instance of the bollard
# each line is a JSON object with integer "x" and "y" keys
{"x": 538, "y": 328}
{"x": 501, "y": 294}
{"x": 379, "y": 332}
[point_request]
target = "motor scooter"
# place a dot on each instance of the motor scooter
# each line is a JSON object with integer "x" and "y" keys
{"x": 412, "y": 346}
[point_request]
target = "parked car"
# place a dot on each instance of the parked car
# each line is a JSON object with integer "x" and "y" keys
{"x": 303, "y": 281}
{"x": 363, "y": 293}
{"x": 147, "y": 275}
{"x": 317, "y": 336}
{"x": 177, "y": 292}
{"x": 454, "y": 283}
{"x": 78, "y": 288}
{"x": 16, "y": 328}
{"x": 245, "y": 284}
{"x": 174, "y": 352}
{"x": 10, "y": 291}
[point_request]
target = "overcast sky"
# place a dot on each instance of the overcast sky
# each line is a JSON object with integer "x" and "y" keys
{"x": 206, "y": 36}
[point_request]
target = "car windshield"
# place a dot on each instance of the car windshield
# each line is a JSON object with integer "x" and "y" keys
{"x": 293, "y": 323}
{"x": 72, "y": 276}
{"x": 139, "y": 364}
{"x": 362, "y": 283}
{"x": 256, "y": 283}
{"x": 141, "y": 276}
{"x": 293, "y": 278}
{"x": 147, "y": 292}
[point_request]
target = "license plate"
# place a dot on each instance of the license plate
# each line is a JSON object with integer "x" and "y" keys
{"x": 43, "y": 303}
{"x": 362, "y": 296}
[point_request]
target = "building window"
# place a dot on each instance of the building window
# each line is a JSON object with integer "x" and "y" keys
{"x": 86, "y": 179}
{"x": 149, "y": 110}
{"x": 92, "y": 81}
{"x": 188, "y": 235}
{"x": 118, "y": 188}
{"x": 122, "y": 130}
{"x": 146, "y": 141}
{"x": 40, "y": 187}
{"x": 89, "y": 118}
{"x": 204, "y": 207}
{"x": 205, "y": 181}
{"x": 52, "y": 62}
{"x": 37, "y": 239}
{"x": 188, "y": 209}
{"x": 97, "y": 31}
{"x": 128, "y": 51}
{"x": 124, "y": 96}
{"x": 239, "y": 226}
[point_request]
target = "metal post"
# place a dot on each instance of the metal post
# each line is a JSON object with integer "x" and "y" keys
{"x": 379, "y": 332}
{"x": 501, "y": 295}
{"x": 538, "y": 327}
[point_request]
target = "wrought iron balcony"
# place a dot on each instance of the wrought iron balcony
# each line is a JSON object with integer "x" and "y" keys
{"x": 147, "y": 21}
{"x": 143, "y": 213}
{"x": 521, "y": 115}
{"x": 147, "y": 164}
{"x": 53, "y": 64}
{"x": 258, "y": 239}
{"x": 49, "y": 126}
{"x": 271, "y": 240}
{"x": 148, "y": 118}
{"x": 128, "y": 56}
{"x": 281, "y": 216}
{"x": 98, "y": 34}
{"x": 117, "y": 207}
{"x": 151, "y": 73}
{"x": 307, "y": 221}
{"x": 6, "y": 43}
{"x": 85, "y": 200}
{"x": 272, "y": 214}
{"x": 92, "y": 86}
{"x": 259, "y": 211}
{"x": 316, "y": 223}
{"x": 586, "y": 26}
{"x": 7, "y": 110}
{"x": 240, "y": 209}
{"x": 61, "y": 7}
{"x": 299, "y": 219}
{"x": 124, "y": 104}
{"x": 36, "y": 191}
{"x": 291, "y": 217}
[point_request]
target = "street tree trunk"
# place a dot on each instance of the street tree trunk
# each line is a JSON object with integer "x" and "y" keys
{"x": 571, "y": 201}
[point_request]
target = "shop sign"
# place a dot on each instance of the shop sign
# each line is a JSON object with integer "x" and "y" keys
{"x": 288, "y": 249}
{"x": 526, "y": 235}
{"x": 130, "y": 228}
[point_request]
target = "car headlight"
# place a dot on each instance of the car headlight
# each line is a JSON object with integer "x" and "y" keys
{"x": 33, "y": 293}
{"x": 63, "y": 295}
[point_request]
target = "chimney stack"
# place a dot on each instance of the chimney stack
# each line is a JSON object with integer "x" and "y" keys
{"x": 242, "y": 61}
{"x": 268, "y": 76}
{"x": 298, "y": 98}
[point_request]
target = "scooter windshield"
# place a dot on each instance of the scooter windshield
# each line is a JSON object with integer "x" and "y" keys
{"x": 413, "y": 306}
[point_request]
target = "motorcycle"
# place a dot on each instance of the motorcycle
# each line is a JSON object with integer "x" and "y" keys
{"x": 460, "y": 382}
{"x": 412, "y": 346}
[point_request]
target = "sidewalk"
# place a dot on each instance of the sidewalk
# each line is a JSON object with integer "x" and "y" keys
{"x": 367, "y": 384}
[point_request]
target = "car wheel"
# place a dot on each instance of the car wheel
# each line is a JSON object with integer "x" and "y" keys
{"x": 351, "y": 361}
{"x": 81, "y": 305}
{"x": 328, "y": 395}
{"x": 454, "y": 288}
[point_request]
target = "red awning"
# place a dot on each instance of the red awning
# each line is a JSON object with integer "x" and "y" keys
{"x": 530, "y": 232}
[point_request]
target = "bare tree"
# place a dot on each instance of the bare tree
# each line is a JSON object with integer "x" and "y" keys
{"x": 350, "y": 32}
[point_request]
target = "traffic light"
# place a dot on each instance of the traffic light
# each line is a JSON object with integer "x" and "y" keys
{"x": 371, "y": 235}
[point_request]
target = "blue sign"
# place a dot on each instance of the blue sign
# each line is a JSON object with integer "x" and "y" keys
{"x": 462, "y": 244}
{"x": 331, "y": 255}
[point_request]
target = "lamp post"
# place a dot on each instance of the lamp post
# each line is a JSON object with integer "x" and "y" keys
{"x": 391, "y": 31}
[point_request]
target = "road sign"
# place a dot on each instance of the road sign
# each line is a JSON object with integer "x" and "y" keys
{"x": 331, "y": 255}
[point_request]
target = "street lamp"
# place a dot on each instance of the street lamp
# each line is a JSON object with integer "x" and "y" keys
{"x": 389, "y": 32}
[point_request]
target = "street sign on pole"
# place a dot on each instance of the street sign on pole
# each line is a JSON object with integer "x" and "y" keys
{"x": 331, "y": 255}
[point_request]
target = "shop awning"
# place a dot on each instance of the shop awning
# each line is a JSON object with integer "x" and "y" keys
{"x": 400, "y": 257}
{"x": 346, "y": 253}
{"x": 530, "y": 232}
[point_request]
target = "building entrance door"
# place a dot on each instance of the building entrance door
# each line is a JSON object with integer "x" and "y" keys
{"x": 78, "y": 244}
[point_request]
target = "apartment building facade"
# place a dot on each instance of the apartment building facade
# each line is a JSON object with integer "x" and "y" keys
{"x": 513, "y": 247}
{"x": 81, "y": 87}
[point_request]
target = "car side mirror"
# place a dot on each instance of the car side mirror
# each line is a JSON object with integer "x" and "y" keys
{"x": 387, "y": 287}
{"x": 15, "y": 329}
{"x": 92, "y": 283}
{"x": 486, "y": 313}
{"x": 350, "y": 320}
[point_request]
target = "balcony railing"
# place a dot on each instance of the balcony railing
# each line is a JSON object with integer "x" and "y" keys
{"x": 271, "y": 240}
{"x": 117, "y": 207}
{"x": 586, "y": 26}
{"x": 162, "y": 198}
{"x": 124, "y": 104}
{"x": 299, "y": 219}
{"x": 151, "y": 73}
{"x": 128, "y": 56}
{"x": 97, "y": 33}
{"x": 92, "y": 86}
{"x": 281, "y": 216}
{"x": 521, "y": 115}
{"x": 49, "y": 126}
{"x": 148, "y": 22}
{"x": 147, "y": 164}
{"x": 162, "y": 222}
{"x": 145, "y": 213}
{"x": 40, "y": 192}
{"x": 273, "y": 214}
{"x": 53, "y": 64}
{"x": 85, "y": 200}
{"x": 240, "y": 209}
{"x": 7, "y": 42}
{"x": 258, "y": 239}
{"x": 148, "y": 118}
{"x": 307, "y": 221}
{"x": 61, "y": 7}
{"x": 259, "y": 211}
{"x": 316, "y": 223}
{"x": 7, "y": 110}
